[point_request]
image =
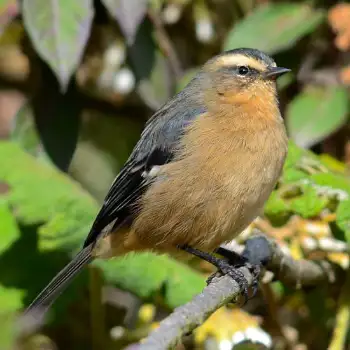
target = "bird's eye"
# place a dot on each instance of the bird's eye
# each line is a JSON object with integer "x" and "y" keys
{"x": 243, "y": 70}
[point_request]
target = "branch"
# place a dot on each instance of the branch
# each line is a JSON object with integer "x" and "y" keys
{"x": 191, "y": 315}
{"x": 224, "y": 289}
{"x": 165, "y": 44}
{"x": 341, "y": 326}
{"x": 299, "y": 273}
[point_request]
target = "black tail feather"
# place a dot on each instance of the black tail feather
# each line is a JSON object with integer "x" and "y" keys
{"x": 59, "y": 283}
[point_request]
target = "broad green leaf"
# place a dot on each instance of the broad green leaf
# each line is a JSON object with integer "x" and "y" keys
{"x": 57, "y": 118}
{"x": 275, "y": 205}
{"x": 142, "y": 52}
{"x": 343, "y": 218}
{"x": 177, "y": 291}
{"x": 292, "y": 175}
{"x": 316, "y": 113}
{"x": 332, "y": 163}
{"x": 42, "y": 196}
{"x": 146, "y": 274}
{"x": 10, "y": 303}
{"x": 331, "y": 180}
{"x": 292, "y": 170}
{"x": 23, "y": 130}
{"x": 285, "y": 80}
{"x": 150, "y": 67}
{"x": 59, "y": 30}
{"x": 295, "y": 154}
{"x": 309, "y": 204}
{"x": 274, "y": 27}
{"x": 10, "y": 299}
{"x": 57, "y": 198}
{"x": 129, "y": 14}
{"x": 8, "y": 226}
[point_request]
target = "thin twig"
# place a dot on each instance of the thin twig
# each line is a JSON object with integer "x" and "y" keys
{"x": 299, "y": 273}
{"x": 342, "y": 318}
{"x": 165, "y": 44}
{"x": 191, "y": 315}
{"x": 223, "y": 290}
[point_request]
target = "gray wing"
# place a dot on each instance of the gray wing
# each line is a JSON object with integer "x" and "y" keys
{"x": 156, "y": 146}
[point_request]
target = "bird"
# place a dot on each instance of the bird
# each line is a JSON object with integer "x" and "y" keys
{"x": 204, "y": 165}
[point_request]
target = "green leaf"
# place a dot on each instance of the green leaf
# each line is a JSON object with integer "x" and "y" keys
{"x": 292, "y": 170}
{"x": 23, "y": 130}
{"x": 295, "y": 154}
{"x": 57, "y": 118}
{"x": 275, "y": 205}
{"x": 64, "y": 212}
{"x": 8, "y": 226}
{"x": 332, "y": 163}
{"x": 285, "y": 80}
{"x": 331, "y": 180}
{"x": 343, "y": 218}
{"x": 177, "y": 289}
{"x": 10, "y": 302}
{"x": 145, "y": 274}
{"x": 10, "y": 299}
{"x": 316, "y": 113}
{"x": 309, "y": 204}
{"x": 150, "y": 67}
{"x": 129, "y": 14}
{"x": 292, "y": 175}
{"x": 57, "y": 198}
{"x": 59, "y": 30}
{"x": 142, "y": 52}
{"x": 274, "y": 27}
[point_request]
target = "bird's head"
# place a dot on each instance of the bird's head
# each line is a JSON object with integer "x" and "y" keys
{"x": 240, "y": 75}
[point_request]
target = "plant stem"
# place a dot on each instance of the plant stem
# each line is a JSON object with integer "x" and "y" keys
{"x": 342, "y": 318}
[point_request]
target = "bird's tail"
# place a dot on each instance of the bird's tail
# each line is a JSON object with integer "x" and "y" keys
{"x": 58, "y": 284}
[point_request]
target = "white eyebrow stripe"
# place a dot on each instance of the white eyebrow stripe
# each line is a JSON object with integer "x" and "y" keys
{"x": 241, "y": 60}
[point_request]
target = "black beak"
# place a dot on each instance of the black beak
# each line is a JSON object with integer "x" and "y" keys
{"x": 275, "y": 72}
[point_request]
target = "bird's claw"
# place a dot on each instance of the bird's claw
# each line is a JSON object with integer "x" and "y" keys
{"x": 216, "y": 274}
{"x": 229, "y": 267}
{"x": 238, "y": 276}
{"x": 225, "y": 268}
{"x": 256, "y": 271}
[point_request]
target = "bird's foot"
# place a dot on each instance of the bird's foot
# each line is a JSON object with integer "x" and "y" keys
{"x": 226, "y": 268}
{"x": 230, "y": 268}
{"x": 237, "y": 260}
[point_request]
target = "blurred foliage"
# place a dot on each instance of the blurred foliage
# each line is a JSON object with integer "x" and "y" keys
{"x": 282, "y": 25}
{"x": 87, "y": 75}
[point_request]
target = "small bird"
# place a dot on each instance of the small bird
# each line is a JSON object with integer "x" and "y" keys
{"x": 203, "y": 168}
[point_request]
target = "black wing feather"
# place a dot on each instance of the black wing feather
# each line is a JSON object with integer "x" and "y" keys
{"x": 155, "y": 147}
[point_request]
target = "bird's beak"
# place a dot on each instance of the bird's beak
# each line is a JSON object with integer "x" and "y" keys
{"x": 275, "y": 72}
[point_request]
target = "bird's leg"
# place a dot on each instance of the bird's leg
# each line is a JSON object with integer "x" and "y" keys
{"x": 233, "y": 257}
{"x": 224, "y": 266}
{"x": 238, "y": 260}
